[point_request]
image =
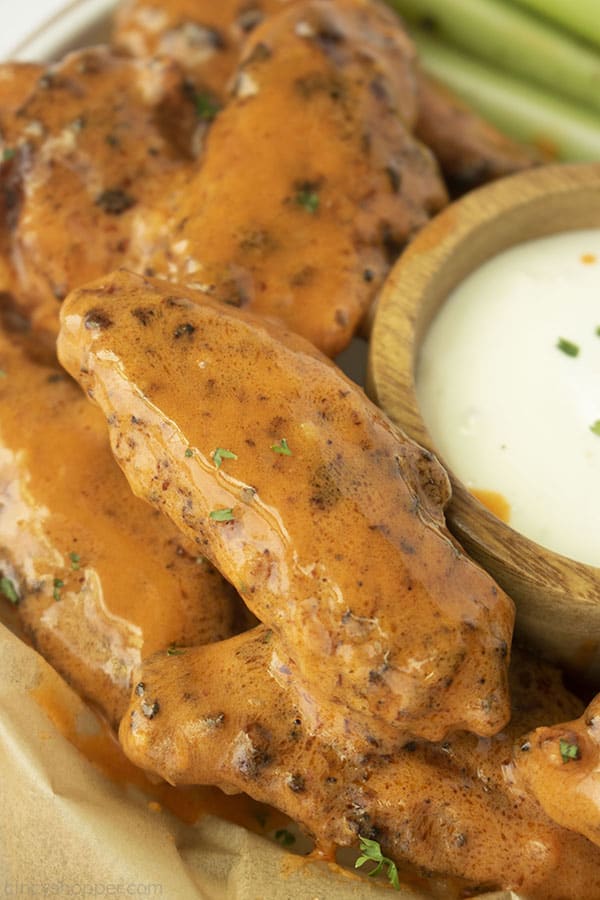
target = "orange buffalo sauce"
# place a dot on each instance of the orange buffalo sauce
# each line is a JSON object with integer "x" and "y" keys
{"x": 495, "y": 502}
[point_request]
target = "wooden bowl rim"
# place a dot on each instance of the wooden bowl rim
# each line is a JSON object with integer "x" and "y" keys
{"x": 424, "y": 262}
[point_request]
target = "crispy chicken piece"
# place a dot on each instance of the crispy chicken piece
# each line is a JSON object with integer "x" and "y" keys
{"x": 205, "y": 38}
{"x": 93, "y": 147}
{"x": 102, "y": 580}
{"x": 469, "y": 150}
{"x": 328, "y": 521}
{"x": 447, "y": 807}
{"x": 560, "y": 766}
{"x": 311, "y": 181}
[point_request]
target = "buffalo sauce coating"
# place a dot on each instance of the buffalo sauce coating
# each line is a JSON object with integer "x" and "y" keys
{"x": 448, "y": 808}
{"x": 205, "y": 38}
{"x": 89, "y": 147}
{"x": 560, "y": 766}
{"x": 16, "y": 82}
{"x": 311, "y": 181}
{"x": 102, "y": 580}
{"x": 326, "y": 519}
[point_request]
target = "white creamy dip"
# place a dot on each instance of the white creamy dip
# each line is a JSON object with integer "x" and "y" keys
{"x": 509, "y": 410}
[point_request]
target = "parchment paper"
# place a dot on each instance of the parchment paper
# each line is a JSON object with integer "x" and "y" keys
{"x": 67, "y": 831}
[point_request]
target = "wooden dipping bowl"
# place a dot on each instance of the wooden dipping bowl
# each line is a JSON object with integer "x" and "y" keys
{"x": 557, "y": 599}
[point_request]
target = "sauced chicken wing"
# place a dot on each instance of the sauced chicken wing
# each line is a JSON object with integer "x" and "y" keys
{"x": 311, "y": 181}
{"x": 100, "y": 579}
{"x": 328, "y": 521}
{"x": 16, "y": 82}
{"x": 446, "y": 807}
{"x": 94, "y": 150}
{"x": 469, "y": 150}
{"x": 560, "y": 766}
{"x": 205, "y": 36}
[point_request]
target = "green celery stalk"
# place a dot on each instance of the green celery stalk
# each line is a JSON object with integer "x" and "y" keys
{"x": 521, "y": 110}
{"x": 512, "y": 39}
{"x": 581, "y": 17}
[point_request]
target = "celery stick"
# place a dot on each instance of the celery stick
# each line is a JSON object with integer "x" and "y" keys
{"x": 512, "y": 39}
{"x": 578, "y": 16}
{"x": 522, "y": 111}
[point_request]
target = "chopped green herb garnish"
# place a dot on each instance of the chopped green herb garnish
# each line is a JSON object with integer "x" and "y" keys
{"x": 7, "y": 153}
{"x": 2, "y": 373}
{"x": 282, "y": 448}
{"x": 220, "y": 454}
{"x": 567, "y": 347}
{"x": 568, "y": 751}
{"x": 58, "y": 584}
{"x": 222, "y": 515}
{"x": 285, "y": 837}
{"x": 371, "y": 852}
{"x": 189, "y": 452}
{"x": 308, "y": 199}
{"x": 206, "y": 107}
{"x": 75, "y": 561}
{"x": 597, "y": 330}
{"x": 8, "y": 590}
{"x": 174, "y": 650}
{"x": 595, "y": 428}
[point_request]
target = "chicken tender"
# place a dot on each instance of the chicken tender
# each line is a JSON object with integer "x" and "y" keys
{"x": 99, "y": 579}
{"x": 94, "y": 150}
{"x": 560, "y": 766}
{"x": 327, "y": 520}
{"x": 448, "y": 808}
{"x": 311, "y": 181}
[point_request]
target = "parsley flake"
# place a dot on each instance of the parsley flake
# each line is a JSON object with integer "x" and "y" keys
{"x": 206, "y": 107}
{"x": 595, "y": 428}
{"x": 174, "y": 650}
{"x": 8, "y": 153}
{"x": 220, "y": 454}
{"x": 568, "y": 751}
{"x": 222, "y": 515}
{"x": 189, "y": 452}
{"x": 281, "y": 448}
{"x": 371, "y": 852}
{"x": 8, "y": 590}
{"x": 308, "y": 199}
{"x": 2, "y": 373}
{"x": 597, "y": 330}
{"x": 567, "y": 347}
{"x": 58, "y": 584}
{"x": 75, "y": 561}
{"x": 284, "y": 837}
